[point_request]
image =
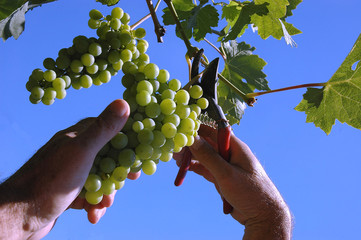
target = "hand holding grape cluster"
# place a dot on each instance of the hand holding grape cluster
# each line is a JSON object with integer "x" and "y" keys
{"x": 163, "y": 119}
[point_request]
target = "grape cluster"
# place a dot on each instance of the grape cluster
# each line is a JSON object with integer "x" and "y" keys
{"x": 163, "y": 117}
{"x": 90, "y": 61}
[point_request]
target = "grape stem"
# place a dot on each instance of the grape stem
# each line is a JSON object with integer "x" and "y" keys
{"x": 159, "y": 30}
{"x": 185, "y": 39}
{"x": 255, "y": 94}
{"x": 140, "y": 21}
{"x": 217, "y": 49}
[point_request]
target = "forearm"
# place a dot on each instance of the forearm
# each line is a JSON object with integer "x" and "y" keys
{"x": 277, "y": 227}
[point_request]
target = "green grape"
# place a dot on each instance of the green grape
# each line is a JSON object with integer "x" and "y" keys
{"x": 143, "y": 98}
{"x": 86, "y": 81}
{"x": 37, "y": 93}
{"x": 145, "y": 85}
{"x": 138, "y": 116}
{"x": 183, "y": 111}
{"x": 118, "y": 65}
{"x": 115, "y": 24}
{"x": 193, "y": 115}
{"x": 49, "y": 93}
{"x": 120, "y": 173}
{"x": 148, "y": 123}
{"x": 153, "y": 110}
{"x": 93, "y": 183}
{"x": 180, "y": 139}
{"x": 168, "y": 94}
{"x": 168, "y": 145}
{"x": 107, "y": 165}
{"x": 102, "y": 64}
{"x": 59, "y": 84}
{"x": 49, "y": 63}
{"x": 187, "y": 125}
{"x": 119, "y": 141}
{"x": 172, "y": 118}
{"x": 94, "y": 197}
{"x": 144, "y": 58}
{"x": 49, "y": 75}
{"x": 63, "y": 62}
{"x": 142, "y": 48}
{"x": 129, "y": 67}
{"x": 132, "y": 139}
{"x": 76, "y": 84}
{"x": 169, "y": 130}
{"x": 195, "y": 91}
{"x": 131, "y": 46}
{"x": 159, "y": 139}
{"x": 202, "y": 103}
{"x": 144, "y": 151}
{"x": 118, "y": 185}
{"x": 95, "y": 49}
{"x": 167, "y": 106}
{"x": 125, "y": 18}
{"x": 190, "y": 140}
{"x": 196, "y": 109}
{"x": 76, "y": 66}
{"x": 128, "y": 80}
{"x": 47, "y": 101}
{"x": 117, "y": 12}
{"x": 151, "y": 71}
{"x": 143, "y": 41}
{"x": 174, "y": 84}
{"x": 126, "y": 157}
{"x": 137, "y": 126}
{"x": 95, "y": 14}
{"x": 105, "y": 76}
{"x": 181, "y": 97}
{"x": 163, "y": 76}
{"x": 114, "y": 56}
{"x": 156, "y": 154}
{"x": 93, "y": 24}
{"x": 126, "y": 55}
{"x": 115, "y": 43}
{"x": 149, "y": 167}
{"x": 87, "y": 59}
{"x": 177, "y": 149}
{"x": 108, "y": 187}
{"x": 139, "y": 33}
{"x": 93, "y": 69}
{"x": 60, "y": 94}
{"x": 166, "y": 156}
{"x": 67, "y": 81}
{"x": 145, "y": 136}
{"x": 125, "y": 38}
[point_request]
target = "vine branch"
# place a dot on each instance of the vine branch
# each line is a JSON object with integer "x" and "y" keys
{"x": 159, "y": 30}
{"x": 145, "y": 17}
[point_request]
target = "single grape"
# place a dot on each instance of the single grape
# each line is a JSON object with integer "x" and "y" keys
{"x": 126, "y": 157}
{"x": 180, "y": 139}
{"x": 183, "y": 111}
{"x": 126, "y": 55}
{"x": 159, "y": 139}
{"x": 148, "y": 123}
{"x": 117, "y": 12}
{"x": 93, "y": 183}
{"x": 181, "y": 97}
{"x": 86, "y": 81}
{"x": 93, "y": 23}
{"x": 137, "y": 126}
{"x": 195, "y": 91}
{"x": 166, "y": 156}
{"x": 107, "y": 165}
{"x": 105, "y": 76}
{"x": 153, "y": 110}
{"x": 108, "y": 187}
{"x": 76, "y": 66}
{"x": 202, "y": 103}
{"x": 94, "y": 197}
{"x": 163, "y": 76}
{"x": 95, "y": 14}
{"x": 49, "y": 63}
{"x": 139, "y": 33}
{"x": 168, "y": 93}
{"x": 37, "y": 93}
{"x": 119, "y": 141}
{"x": 149, "y": 167}
{"x": 93, "y": 69}
{"x": 95, "y": 49}
{"x": 115, "y": 24}
{"x": 169, "y": 130}
{"x": 59, "y": 84}
{"x": 120, "y": 173}
{"x": 49, "y": 75}
{"x": 145, "y": 136}
{"x": 174, "y": 84}
{"x": 60, "y": 94}
{"x": 144, "y": 151}
{"x": 151, "y": 71}
{"x": 172, "y": 118}
{"x": 145, "y": 85}
{"x": 167, "y": 106}
{"x": 125, "y": 19}
{"x": 143, "y": 98}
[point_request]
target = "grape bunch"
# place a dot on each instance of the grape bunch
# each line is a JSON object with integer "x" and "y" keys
{"x": 90, "y": 61}
{"x": 163, "y": 116}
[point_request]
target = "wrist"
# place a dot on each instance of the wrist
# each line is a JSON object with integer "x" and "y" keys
{"x": 276, "y": 226}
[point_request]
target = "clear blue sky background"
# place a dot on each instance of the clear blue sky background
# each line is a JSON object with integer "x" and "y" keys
{"x": 318, "y": 175}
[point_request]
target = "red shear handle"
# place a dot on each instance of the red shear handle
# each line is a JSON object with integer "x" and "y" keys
{"x": 224, "y": 139}
{"x": 184, "y": 167}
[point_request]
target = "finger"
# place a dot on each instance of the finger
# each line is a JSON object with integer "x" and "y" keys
{"x": 242, "y": 156}
{"x": 108, "y": 200}
{"x": 78, "y": 203}
{"x": 107, "y": 124}
{"x": 134, "y": 175}
{"x": 209, "y": 158}
{"x": 209, "y": 134}
{"x": 95, "y": 214}
{"x": 201, "y": 170}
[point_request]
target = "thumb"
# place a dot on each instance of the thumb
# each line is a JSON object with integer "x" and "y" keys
{"x": 106, "y": 125}
{"x": 210, "y": 159}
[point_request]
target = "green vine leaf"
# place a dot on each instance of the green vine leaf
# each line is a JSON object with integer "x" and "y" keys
{"x": 12, "y": 15}
{"x": 340, "y": 98}
{"x": 270, "y": 24}
{"x": 244, "y": 70}
{"x": 292, "y": 6}
{"x": 238, "y": 26}
{"x": 196, "y": 20}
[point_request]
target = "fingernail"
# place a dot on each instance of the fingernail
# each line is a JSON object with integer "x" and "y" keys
{"x": 120, "y": 107}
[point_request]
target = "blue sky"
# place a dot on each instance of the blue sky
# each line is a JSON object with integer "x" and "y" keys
{"x": 318, "y": 175}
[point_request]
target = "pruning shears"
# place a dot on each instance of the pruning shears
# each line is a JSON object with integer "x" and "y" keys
{"x": 208, "y": 82}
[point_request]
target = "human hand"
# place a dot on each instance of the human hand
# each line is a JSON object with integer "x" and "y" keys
{"x": 53, "y": 178}
{"x": 256, "y": 202}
